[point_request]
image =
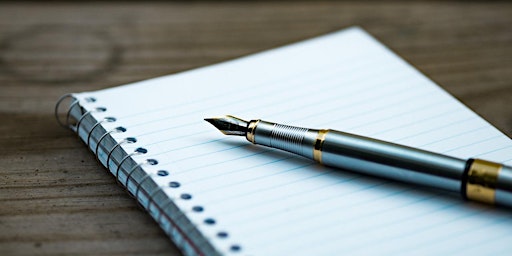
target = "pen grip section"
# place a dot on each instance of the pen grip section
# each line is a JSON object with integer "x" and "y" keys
{"x": 297, "y": 140}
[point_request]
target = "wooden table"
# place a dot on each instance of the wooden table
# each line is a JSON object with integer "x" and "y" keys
{"x": 56, "y": 199}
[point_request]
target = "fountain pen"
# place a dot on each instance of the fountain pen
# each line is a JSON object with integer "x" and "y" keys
{"x": 475, "y": 179}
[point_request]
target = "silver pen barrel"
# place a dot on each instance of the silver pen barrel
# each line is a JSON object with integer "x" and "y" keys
{"x": 475, "y": 179}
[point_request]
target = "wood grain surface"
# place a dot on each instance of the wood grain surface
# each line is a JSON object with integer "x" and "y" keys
{"x": 55, "y": 199}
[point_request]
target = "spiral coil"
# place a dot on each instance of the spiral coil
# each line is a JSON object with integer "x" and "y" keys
{"x": 173, "y": 230}
{"x": 106, "y": 119}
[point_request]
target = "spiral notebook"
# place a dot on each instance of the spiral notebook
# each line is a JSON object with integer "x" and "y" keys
{"x": 219, "y": 195}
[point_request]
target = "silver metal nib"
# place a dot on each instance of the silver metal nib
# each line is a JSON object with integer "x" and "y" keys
{"x": 229, "y": 125}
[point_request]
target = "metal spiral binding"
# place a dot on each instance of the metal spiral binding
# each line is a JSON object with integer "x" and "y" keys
{"x": 137, "y": 189}
{"x": 137, "y": 151}
{"x": 116, "y": 130}
{"x": 129, "y": 174}
{"x": 125, "y": 140}
{"x": 67, "y": 124}
{"x": 106, "y": 119}
{"x": 77, "y": 126}
{"x": 158, "y": 218}
{"x": 150, "y": 197}
{"x": 68, "y": 112}
{"x": 173, "y": 230}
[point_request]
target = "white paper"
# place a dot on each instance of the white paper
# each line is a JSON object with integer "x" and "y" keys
{"x": 275, "y": 203}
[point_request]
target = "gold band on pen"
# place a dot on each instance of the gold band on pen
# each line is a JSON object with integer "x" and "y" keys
{"x": 250, "y": 130}
{"x": 319, "y": 142}
{"x": 482, "y": 180}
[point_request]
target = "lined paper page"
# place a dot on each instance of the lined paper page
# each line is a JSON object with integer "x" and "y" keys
{"x": 274, "y": 203}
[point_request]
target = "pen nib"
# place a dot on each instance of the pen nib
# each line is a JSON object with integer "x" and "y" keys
{"x": 229, "y": 125}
